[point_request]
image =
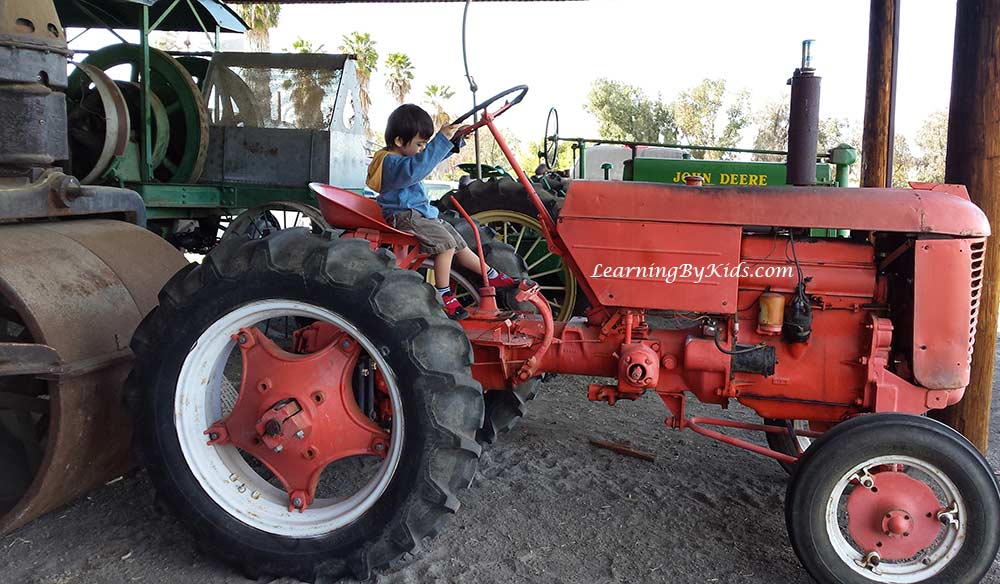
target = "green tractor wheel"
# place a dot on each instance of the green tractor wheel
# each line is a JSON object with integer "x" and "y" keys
{"x": 503, "y": 204}
{"x": 524, "y": 234}
{"x": 187, "y": 145}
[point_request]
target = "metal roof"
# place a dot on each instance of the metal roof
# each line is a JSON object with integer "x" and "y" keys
{"x": 381, "y": 1}
{"x": 127, "y": 14}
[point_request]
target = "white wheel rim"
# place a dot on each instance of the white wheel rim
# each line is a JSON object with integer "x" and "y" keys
{"x": 223, "y": 473}
{"x": 914, "y": 570}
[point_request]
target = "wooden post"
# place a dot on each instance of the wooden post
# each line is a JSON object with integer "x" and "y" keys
{"x": 974, "y": 160}
{"x": 876, "y": 137}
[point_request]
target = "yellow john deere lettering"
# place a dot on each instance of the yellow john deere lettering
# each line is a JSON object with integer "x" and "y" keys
{"x": 705, "y": 176}
{"x": 732, "y": 178}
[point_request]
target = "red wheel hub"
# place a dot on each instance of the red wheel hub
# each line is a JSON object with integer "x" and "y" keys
{"x": 896, "y": 517}
{"x": 297, "y": 413}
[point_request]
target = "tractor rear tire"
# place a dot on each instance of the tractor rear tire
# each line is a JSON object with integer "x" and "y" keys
{"x": 425, "y": 358}
{"x": 477, "y": 196}
{"x": 504, "y": 408}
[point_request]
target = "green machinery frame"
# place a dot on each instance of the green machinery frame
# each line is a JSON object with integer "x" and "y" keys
{"x": 840, "y": 157}
{"x": 212, "y": 17}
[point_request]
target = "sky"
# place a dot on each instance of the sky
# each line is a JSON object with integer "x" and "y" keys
{"x": 559, "y": 48}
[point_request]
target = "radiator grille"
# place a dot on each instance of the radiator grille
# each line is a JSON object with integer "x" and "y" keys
{"x": 978, "y": 251}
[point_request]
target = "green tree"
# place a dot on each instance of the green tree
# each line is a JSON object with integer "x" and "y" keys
{"x": 362, "y": 46}
{"x": 261, "y": 18}
{"x": 624, "y": 112}
{"x": 437, "y": 96}
{"x": 531, "y": 156}
{"x": 903, "y": 163}
{"x": 400, "y": 76}
{"x": 772, "y": 130}
{"x": 932, "y": 140}
{"x": 697, "y": 112}
{"x": 308, "y": 88}
{"x": 490, "y": 154}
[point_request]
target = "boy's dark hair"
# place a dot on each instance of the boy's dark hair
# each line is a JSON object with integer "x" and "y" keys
{"x": 407, "y": 122}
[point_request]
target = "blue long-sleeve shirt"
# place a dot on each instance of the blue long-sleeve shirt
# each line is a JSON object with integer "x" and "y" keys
{"x": 398, "y": 178}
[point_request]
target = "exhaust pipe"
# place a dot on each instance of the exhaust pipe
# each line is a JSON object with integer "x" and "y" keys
{"x": 803, "y": 122}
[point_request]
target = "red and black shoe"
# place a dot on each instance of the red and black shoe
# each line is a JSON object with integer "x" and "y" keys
{"x": 502, "y": 281}
{"x": 453, "y": 308}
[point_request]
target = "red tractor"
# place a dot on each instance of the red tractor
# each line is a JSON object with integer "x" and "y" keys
{"x": 306, "y": 408}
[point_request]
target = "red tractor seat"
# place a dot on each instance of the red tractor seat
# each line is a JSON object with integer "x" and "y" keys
{"x": 346, "y": 210}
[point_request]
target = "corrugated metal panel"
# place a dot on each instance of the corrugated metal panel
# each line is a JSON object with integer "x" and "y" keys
{"x": 127, "y": 14}
{"x": 381, "y": 1}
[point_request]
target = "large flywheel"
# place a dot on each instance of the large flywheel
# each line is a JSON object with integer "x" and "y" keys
{"x": 229, "y": 99}
{"x": 187, "y": 143}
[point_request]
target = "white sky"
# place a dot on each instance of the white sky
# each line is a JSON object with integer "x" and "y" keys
{"x": 559, "y": 48}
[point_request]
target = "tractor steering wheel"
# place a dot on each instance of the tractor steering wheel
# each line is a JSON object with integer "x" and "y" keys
{"x": 521, "y": 90}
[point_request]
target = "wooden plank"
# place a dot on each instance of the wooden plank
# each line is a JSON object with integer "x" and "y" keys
{"x": 622, "y": 449}
{"x": 875, "y": 139}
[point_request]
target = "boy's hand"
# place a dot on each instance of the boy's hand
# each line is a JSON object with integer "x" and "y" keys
{"x": 449, "y": 131}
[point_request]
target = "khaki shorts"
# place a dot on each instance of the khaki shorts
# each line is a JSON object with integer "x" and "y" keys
{"x": 435, "y": 235}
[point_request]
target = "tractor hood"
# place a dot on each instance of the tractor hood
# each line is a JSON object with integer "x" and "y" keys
{"x": 929, "y": 208}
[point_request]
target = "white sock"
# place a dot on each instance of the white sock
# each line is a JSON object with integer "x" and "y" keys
{"x": 492, "y": 273}
{"x": 443, "y": 291}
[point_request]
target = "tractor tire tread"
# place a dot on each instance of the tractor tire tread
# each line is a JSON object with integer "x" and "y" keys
{"x": 435, "y": 348}
{"x": 504, "y": 408}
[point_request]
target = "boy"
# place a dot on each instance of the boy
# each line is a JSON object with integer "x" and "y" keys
{"x": 396, "y": 171}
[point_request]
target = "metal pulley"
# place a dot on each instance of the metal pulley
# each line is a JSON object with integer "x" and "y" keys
{"x": 187, "y": 141}
{"x": 99, "y": 125}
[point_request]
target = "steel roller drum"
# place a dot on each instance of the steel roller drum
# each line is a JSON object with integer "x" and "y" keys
{"x": 71, "y": 295}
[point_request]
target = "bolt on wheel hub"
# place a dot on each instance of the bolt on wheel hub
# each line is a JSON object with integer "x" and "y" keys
{"x": 284, "y": 415}
{"x": 896, "y": 516}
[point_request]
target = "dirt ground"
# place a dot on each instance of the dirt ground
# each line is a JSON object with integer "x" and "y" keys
{"x": 545, "y": 507}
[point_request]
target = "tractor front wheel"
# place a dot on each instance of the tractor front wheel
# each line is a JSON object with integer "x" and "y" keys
{"x": 304, "y": 450}
{"x": 893, "y": 498}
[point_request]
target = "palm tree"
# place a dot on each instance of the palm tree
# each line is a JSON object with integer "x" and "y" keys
{"x": 362, "y": 46}
{"x": 261, "y": 18}
{"x": 437, "y": 95}
{"x": 308, "y": 88}
{"x": 400, "y": 75}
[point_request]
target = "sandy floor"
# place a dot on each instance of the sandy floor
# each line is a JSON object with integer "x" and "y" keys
{"x": 545, "y": 507}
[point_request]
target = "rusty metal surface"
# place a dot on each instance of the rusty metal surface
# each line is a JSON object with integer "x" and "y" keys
{"x": 31, "y": 24}
{"x": 81, "y": 288}
{"x": 27, "y": 359}
{"x": 267, "y": 156}
{"x": 32, "y": 125}
{"x": 55, "y": 194}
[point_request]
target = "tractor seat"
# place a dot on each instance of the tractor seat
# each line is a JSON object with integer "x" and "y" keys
{"x": 346, "y": 210}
